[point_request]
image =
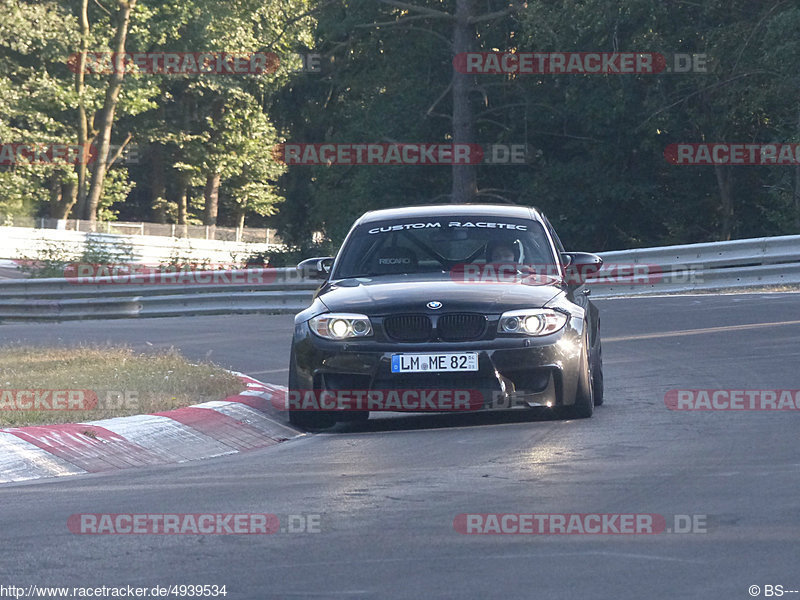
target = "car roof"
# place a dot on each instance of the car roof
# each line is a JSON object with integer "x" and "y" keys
{"x": 451, "y": 210}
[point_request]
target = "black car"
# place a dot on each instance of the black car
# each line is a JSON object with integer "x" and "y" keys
{"x": 448, "y": 307}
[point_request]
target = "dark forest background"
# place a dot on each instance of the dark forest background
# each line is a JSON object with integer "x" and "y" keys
{"x": 595, "y": 162}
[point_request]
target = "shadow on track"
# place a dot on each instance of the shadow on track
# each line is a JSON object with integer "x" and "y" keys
{"x": 401, "y": 422}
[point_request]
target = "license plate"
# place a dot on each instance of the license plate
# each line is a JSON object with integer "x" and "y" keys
{"x": 434, "y": 363}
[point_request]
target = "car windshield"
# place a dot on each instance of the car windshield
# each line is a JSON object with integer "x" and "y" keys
{"x": 438, "y": 244}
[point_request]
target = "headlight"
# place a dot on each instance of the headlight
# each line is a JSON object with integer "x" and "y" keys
{"x": 533, "y": 321}
{"x": 340, "y": 326}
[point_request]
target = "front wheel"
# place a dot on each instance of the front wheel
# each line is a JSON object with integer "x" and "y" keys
{"x": 353, "y": 416}
{"x": 583, "y": 407}
{"x": 597, "y": 375}
{"x": 312, "y": 420}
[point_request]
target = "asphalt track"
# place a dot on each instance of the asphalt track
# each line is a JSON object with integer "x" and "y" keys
{"x": 388, "y": 491}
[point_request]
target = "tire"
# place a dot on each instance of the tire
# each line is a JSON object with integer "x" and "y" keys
{"x": 583, "y": 406}
{"x": 307, "y": 419}
{"x": 353, "y": 416}
{"x": 347, "y": 416}
{"x": 597, "y": 375}
{"x": 311, "y": 420}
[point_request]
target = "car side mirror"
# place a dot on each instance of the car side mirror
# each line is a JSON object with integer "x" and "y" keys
{"x": 580, "y": 266}
{"x": 316, "y": 268}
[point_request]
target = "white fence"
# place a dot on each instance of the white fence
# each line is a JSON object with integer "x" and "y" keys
{"x": 203, "y": 232}
{"x": 714, "y": 266}
{"x": 23, "y": 242}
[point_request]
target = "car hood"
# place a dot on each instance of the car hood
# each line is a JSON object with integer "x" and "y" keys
{"x": 386, "y": 295}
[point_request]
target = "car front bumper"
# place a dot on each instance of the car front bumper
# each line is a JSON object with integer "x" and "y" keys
{"x": 513, "y": 372}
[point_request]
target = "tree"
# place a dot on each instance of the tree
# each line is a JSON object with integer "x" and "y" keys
{"x": 106, "y": 120}
{"x": 214, "y": 129}
{"x": 388, "y": 77}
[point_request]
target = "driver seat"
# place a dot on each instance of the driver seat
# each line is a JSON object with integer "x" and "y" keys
{"x": 395, "y": 259}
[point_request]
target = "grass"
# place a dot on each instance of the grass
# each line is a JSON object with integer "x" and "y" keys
{"x": 123, "y": 381}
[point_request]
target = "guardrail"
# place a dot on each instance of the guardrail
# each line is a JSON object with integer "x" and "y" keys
{"x": 669, "y": 269}
{"x": 757, "y": 262}
{"x": 165, "y": 294}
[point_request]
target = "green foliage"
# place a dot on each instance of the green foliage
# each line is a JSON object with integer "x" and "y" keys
{"x": 52, "y": 257}
{"x": 290, "y": 256}
{"x": 117, "y": 187}
{"x": 180, "y": 259}
{"x": 50, "y": 260}
{"x": 101, "y": 250}
{"x": 596, "y": 142}
{"x": 205, "y": 124}
{"x": 21, "y": 191}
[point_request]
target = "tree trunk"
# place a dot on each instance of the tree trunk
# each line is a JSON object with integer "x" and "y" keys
{"x": 109, "y": 106}
{"x": 69, "y": 196}
{"x": 158, "y": 185}
{"x": 182, "y": 202}
{"x": 723, "y": 174}
{"x": 55, "y": 195}
{"x": 465, "y": 177}
{"x": 83, "y": 122}
{"x": 211, "y": 195}
{"x": 62, "y": 197}
{"x": 242, "y": 212}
